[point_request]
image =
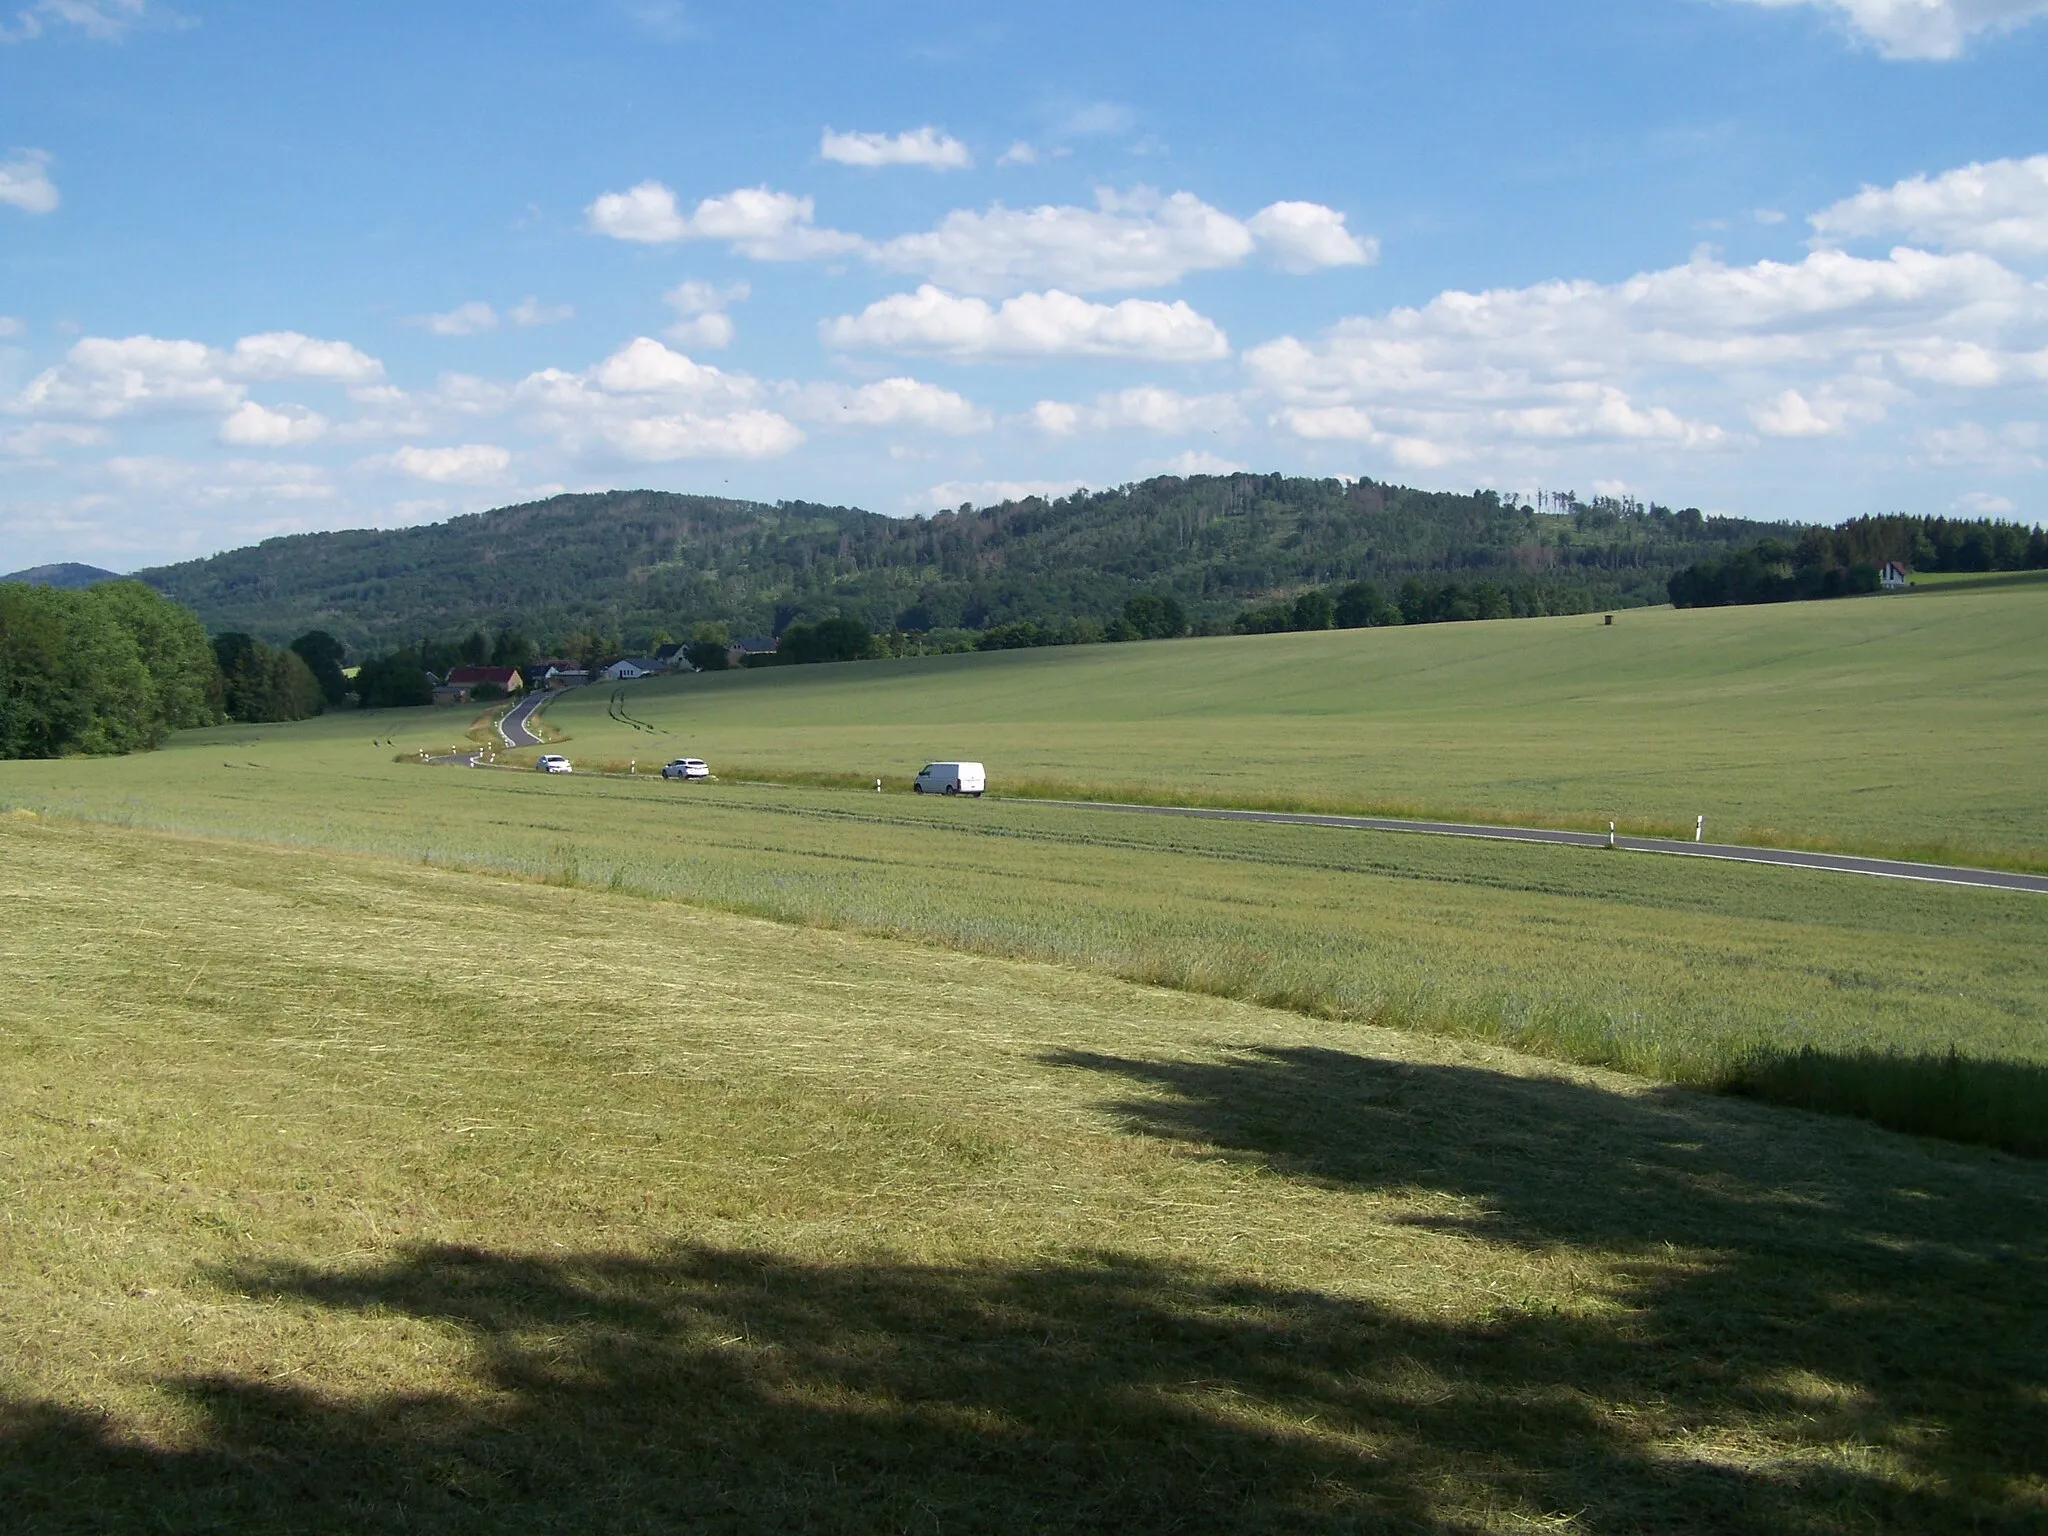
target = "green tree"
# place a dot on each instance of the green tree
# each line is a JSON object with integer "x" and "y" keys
{"x": 396, "y": 681}
{"x": 1361, "y": 605}
{"x": 323, "y": 656}
{"x": 511, "y": 648}
{"x": 1313, "y": 610}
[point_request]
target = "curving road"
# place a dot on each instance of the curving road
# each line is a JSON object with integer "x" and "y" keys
{"x": 512, "y": 725}
{"x": 1837, "y": 863}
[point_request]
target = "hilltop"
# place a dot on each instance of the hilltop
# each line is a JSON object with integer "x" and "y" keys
{"x": 66, "y": 574}
{"x": 631, "y": 563}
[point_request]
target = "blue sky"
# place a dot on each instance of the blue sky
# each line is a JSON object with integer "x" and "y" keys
{"x": 273, "y": 268}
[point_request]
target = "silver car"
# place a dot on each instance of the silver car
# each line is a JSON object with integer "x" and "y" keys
{"x": 686, "y": 768}
{"x": 552, "y": 762}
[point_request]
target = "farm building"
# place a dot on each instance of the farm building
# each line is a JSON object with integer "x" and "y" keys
{"x": 1894, "y": 577}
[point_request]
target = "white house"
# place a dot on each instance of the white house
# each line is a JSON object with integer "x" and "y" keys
{"x": 629, "y": 668}
{"x": 1894, "y": 577}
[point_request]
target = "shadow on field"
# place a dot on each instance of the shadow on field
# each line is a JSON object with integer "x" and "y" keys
{"x": 714, "y": 1389}
{"x": 2001, "y": 1104}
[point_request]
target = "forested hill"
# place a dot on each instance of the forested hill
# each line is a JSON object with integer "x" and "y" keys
{"x": 635, "y": 563}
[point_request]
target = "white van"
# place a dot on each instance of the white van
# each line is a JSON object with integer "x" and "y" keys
{"x": 949, "y": 779}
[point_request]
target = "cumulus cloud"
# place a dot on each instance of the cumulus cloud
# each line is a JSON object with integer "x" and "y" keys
{"x": 289, "y": 355}
{"x": 649, "y": 403}
{"x": 251, "y": 425}
{"x": 471, "y": 319}
{"x": 925, "y": 146}
{"x": 1803, "y": 349}
{"x": 39, "y": 437}
{"x": 1922, "y": 29}
{"x": 1197, "y": 461}
{"x": 898, "y": 402}
{"x": 465, "y": 464}
{"x": 10, "y": 325}
{"x": 215, "y": 484}
{"x": 1136, "y": 239}
{"x": 701, "y": 318}
{"x": 101, "y": 378}
{"x": 25, "y": 182}
{"x": 1051, "y": 324}
{"x": 1304, "y": 237}
{"x": 1020, "y": 152}
{"x": 1999, "y": 207}
{"x": 1145, "y": 406}
{"x": 755, "y": 221}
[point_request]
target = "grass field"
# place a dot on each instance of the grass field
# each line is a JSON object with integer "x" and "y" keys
{"x": 1710, "y": 974}
{"x": 356, "y": 1193}
{"x": 1888, "y": 724}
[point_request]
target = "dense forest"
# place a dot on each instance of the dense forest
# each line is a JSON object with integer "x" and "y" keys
{"x": 1844, "y": 561}
{"x": 632, "y": 565}
{"x": 109, "y": 668}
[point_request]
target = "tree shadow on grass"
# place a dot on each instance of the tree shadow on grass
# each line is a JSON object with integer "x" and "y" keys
{"x": 704, "y": 1388}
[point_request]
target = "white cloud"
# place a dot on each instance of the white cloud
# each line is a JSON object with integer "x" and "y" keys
{"x": 10, "y": 325}
{"x": 1982, "y": 504}
{"x": 256, "y": 426}
{"x": 989, "y": 493}
{"x": 25, "y": 182}
{"x": 289, "y": 355}
{"x": 104, "y": 21}
{"x": 756, "y": 221}
{"x": 1144, "y": 406}
{"x": 214, "y": 484}
{"x": 1019, "y": 153}
{"x": 529, "y": 311}
{"x": 897, "y": 402}
{"x": 924, "y": 146}
{"x": 1052, "y": 324}
{"x": 1805, "y": 349}
{"x": 471, "y": 319}
{"x": 1196, "y": 461}
{"x": 39, "y": 437}
{"x": 651, "y": 404}
{"x": 1999, "y": 206}
{"x": 700, "y": 308}
{"x": 467, "y": 464}
{"x": 1134, "y": 240}
{"x": 101, "y": 378}
{"x": 1094, "y": 119}
{"x": 1923, "y": 29}
{"x": 1306, "y": 236}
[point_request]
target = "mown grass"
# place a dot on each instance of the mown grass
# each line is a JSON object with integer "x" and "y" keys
{"x": 1889, "y": 724}
{"x": 1703, "y": 974}
{"x": 357, "y": 1194}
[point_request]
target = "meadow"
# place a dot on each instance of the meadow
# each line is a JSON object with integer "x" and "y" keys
{"x": 357, "y": 1193}
{"x": 1903, "y": 724}
{"x": 1816, "y": 989}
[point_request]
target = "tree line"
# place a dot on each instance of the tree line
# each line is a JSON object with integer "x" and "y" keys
{"x": 116, "y": 667}
{"x": 1845, "y": 560}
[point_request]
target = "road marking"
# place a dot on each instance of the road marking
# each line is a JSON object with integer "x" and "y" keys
{"x": 1832, "y": 863}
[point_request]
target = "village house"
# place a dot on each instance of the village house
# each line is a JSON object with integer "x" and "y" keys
{"x": 1894, "y": 577}
{"x": 630, "y": 668}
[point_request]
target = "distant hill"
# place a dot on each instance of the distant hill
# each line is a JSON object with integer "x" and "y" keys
{"x": 630, "y": 563}
{"x": 67, "y": 574}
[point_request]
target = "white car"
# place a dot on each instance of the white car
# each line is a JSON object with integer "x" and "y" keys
{"x": 949, "y": 779}
{"x": 686, "y": 768}
{"x": 552, "y": 762}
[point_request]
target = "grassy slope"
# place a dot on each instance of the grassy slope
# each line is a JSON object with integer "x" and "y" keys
{"x": 1884, "y": 723}
{"x": 314, "y": 1220}
{"x": 1675, "y": 968}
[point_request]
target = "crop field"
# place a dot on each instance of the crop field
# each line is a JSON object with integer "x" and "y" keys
{"x": 1694, "y": 972}
{"x": 353, "y": 1193}
{"x": 1907, "y": 723}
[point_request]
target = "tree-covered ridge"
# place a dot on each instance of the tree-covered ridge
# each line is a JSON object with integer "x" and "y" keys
{"x": 633, "y": 564}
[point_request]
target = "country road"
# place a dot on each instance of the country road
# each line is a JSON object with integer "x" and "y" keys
{"x": 513, "y": 724}
{"x": 1836, "y": 863}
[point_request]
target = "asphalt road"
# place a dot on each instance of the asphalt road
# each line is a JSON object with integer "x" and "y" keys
{"x": 513, "y": 725}
{"x": 1835, "y": 863}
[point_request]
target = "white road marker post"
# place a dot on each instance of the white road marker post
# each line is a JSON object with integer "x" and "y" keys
{"x": 1699, "y": 829}
{"x": 1610, "y": 834}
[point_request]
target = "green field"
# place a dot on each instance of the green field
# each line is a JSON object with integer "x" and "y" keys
{"x": 1892, "y": 724}
{"x": 351, "y": 1194}
{"x": 389, "y": 1145}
